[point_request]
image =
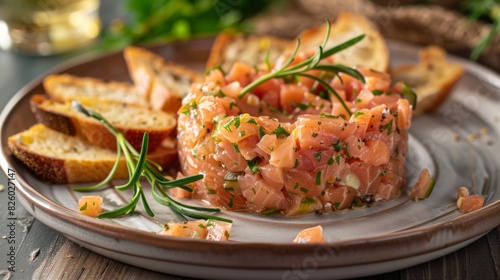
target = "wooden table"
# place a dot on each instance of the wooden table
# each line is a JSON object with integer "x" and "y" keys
{"x": 42, "y": 253}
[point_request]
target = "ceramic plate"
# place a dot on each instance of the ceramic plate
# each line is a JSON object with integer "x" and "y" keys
{"x": 457, "y": 144}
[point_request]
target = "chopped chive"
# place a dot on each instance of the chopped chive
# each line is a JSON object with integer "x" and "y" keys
{"x": 261, "y": 132}
{"x": 318, "y": 178}
{"x": 302, "y": 106}
{"x": 253, "y": 165}
{"x": 232, "y": 104}
{"x": 280, "y": 131}
{"x": 317, "y": 156}
{"x": 269, "y": 211}
{"x": 358, "y": 113}
{"x": 236, "y": 148}
{"x": 221, "y": 93}
{"x": 308, "y": 200}
{"x": 227, "y": 126}
{"x": 408, "y": 94}
{"x": 323, "y": 115}
{"x": 84, "y": 207}
{"x": 252, "y": 121}
{"x": 237, "y": 122}
{"x": 387, "y": 126}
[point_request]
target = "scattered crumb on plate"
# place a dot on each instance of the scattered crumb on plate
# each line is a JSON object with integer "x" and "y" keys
{"x": 34, "y": 255}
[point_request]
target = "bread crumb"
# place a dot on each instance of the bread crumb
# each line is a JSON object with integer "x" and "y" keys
{"x": 34, "y": 255}
{"x": 489, "y": 142}
{"x": 456, "y": 137}
{"x": 484, "y": 131}
{"x": 4, "y": 237}
{"x": 473, "y": 136}
{"x": 2, "y": 187}
{"x": 69, "y": 256}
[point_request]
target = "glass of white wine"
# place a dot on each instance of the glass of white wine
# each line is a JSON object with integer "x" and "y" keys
{"x": 46, "y": 27}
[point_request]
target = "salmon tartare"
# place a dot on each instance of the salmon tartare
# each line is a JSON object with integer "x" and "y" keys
{"x": 289, "y": 145}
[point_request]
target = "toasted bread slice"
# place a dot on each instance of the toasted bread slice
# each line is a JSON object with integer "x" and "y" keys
{"x": 249, "y": 49}
{"x": 162, "y": 83}
{"x": 370, "y": 52}
{"x": 432, "y": 78}
{"x": 60, "y": 158}
{"x": 133, "y": 121}
{"x": 66, "y": 87}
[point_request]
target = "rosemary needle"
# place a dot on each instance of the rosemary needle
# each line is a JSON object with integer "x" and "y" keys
{"x": 312, "y": 63}
{"x": 138, "y": 166}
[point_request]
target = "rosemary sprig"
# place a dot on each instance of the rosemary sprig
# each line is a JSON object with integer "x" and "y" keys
{"x": 138, "y": 166}
{"x": 312, "y": 63}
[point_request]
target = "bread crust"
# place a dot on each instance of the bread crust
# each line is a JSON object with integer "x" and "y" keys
{"x": 432, "y": 79}
{"x": 219, "y": 51}
{"x": 61, "y": 169}
{"x": 47, "y": 169}
{"x": 60, "y": 118}
{"x": 345, "y": 27}
{"x": 148, "y": 69}
{"x": 59, "y": 86}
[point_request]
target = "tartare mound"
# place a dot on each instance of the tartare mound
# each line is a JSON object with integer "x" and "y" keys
{"x": 290, "y": 146}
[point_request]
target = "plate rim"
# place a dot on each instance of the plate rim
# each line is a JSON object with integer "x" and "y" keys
{"x": 39, "y": 202}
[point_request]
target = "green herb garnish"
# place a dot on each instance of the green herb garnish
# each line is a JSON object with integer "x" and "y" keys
{"x": 307, "y": 200}
{"x": 159, "y": 21}
{"x": 84, "y": 207}
{"x": 254, "y": 165}
{"x": 317, "y": 156}
{"x": 236, "y": 148}
{"x": 318, "y": 178}
{"x": 408, "y": 94}
{"x": 358, "y": 113}
{"x": 312, "y": 63}
{"x": 138, "y": 166}
{"x": 323, "y": 115}
{"x": 269, "y": 211}
{"x": 484, "y": 9}
{"x": 261, "y": 132}
{"x": 280, "y": 131}
{"x": 387, "y": 126}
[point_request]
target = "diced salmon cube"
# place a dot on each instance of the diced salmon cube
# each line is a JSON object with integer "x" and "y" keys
{"x": 241, "y": 72}
{"x": 470, "y": 203}
{"x": 90, "y": 205}
{"x": 310, "y": 235}
{"x": 191, "y": 229}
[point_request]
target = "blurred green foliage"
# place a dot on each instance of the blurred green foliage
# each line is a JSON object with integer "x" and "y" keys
{"x": 167, "y": 20}
{"x": 488, "y": 10}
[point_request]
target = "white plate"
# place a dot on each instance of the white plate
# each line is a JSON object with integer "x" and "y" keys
{"x": 385, "y": 237}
